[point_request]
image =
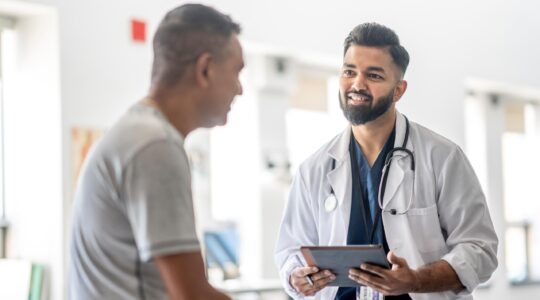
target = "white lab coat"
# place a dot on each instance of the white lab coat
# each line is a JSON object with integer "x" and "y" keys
{"x": 448, "y": 220}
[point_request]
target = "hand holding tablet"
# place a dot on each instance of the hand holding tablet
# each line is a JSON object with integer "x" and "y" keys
{"x": 339, "y": 259}
{"x": 310, "y": 280}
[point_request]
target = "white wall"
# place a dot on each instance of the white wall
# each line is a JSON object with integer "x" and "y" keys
{"x": 102, "y": 72}
{"x": 447, "y": 42}
{"x": 33, "y": 152}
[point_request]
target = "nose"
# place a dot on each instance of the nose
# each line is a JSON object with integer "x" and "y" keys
{"x": 240, "y": 88}
{"x": 359, "y": 82}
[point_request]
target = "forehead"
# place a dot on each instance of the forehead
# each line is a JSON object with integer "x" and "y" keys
{"x": 234, "y": 50}
{"x": 363, "y": 57}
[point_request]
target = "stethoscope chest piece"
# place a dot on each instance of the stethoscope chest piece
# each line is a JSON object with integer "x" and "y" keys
{"x": 330, "y": 203}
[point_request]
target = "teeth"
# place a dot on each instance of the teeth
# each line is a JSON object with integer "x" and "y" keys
{"x": 357, "y": 97}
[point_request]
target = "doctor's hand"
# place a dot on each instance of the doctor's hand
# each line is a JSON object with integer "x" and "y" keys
{"x": 320, "y": 279}
{"x": 400, "y": 279}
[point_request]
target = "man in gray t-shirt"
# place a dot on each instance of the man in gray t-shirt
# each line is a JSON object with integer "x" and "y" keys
{"x": 133, "y": 234}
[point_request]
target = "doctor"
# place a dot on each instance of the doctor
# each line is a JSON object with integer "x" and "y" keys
{"x": 387, "y": 180}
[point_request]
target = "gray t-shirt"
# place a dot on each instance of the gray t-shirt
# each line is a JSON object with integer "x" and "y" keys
{"x": 133, "y": 203}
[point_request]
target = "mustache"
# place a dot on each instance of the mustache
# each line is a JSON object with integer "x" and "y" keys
{"x": 361, "y": 93}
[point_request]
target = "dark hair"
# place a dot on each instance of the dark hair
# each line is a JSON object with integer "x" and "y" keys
{"x": 377, "y": 35}
{"x": 183, "y": 35}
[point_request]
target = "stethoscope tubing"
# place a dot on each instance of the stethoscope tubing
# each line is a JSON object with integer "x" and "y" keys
{"x": 384, "y": 179}
{"x": 382, "y": 185}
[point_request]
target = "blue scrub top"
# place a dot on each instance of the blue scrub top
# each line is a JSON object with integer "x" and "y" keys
{"x": 364, "y": 195}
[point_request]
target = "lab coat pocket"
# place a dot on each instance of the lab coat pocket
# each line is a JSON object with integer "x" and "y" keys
{"x": 426, "y": 229}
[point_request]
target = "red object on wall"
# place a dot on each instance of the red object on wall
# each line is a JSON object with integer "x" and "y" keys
{"x": 138, "y": 31}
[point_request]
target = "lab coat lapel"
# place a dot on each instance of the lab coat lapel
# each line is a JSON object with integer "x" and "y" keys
{"x": 397, "y": 169}
{"x": 341, "y": 183}
{"x": 395, "y": 178}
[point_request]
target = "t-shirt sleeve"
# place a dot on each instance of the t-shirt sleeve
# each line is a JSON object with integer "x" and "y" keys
{"x": 157, "y": 186}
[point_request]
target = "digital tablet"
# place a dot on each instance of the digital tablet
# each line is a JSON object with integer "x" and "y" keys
{"x": 339, "y": 259}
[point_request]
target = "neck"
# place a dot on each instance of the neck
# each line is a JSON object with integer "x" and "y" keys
{"x": 373, "y": 135}
{"x": 176, "y": 106}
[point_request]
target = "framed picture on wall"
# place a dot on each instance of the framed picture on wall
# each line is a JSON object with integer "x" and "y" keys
{"x": 82, "y": 140}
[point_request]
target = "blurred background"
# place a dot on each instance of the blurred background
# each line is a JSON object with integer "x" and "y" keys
{"x": 70, "y": 68}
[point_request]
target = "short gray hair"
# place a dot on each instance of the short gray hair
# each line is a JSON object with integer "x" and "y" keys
{"x": 183, "y": 35}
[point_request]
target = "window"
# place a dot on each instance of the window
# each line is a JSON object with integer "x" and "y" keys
{"x": 520, "y": 148}
{"x": 6, "y": 60}
{"x": 502, "y": 143}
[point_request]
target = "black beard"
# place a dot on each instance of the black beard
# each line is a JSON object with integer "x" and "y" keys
{"x": 359, "y": 115}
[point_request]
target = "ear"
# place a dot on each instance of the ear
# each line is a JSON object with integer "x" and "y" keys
{"x": 400, "y": 90}
{"x": 202, "y": 69}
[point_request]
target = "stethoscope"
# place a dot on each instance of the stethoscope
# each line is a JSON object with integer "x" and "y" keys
{"x": 397, "y": 152}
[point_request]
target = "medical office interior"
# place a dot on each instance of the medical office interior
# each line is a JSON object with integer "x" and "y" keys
{"x": 70, "y": 68}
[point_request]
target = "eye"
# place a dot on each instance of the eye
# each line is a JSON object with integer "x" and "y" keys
{"x": 375, "y": 76}
{"x": 348, "y": 73}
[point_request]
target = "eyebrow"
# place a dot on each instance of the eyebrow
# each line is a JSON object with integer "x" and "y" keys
{"x": 372, "y": 68}
{"x": 376, "y": 69}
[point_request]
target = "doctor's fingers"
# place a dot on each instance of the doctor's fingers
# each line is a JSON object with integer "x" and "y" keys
{"x": 365, "y": 277}
{"x": 321, "y": 275}
{"x": 315, "y": 280}
{"x": 385, "y": 288}
{"x": 310, "y": 290}
{"x": 304, "y": 271}
{"x": 371, "y": 269}
{"x": 371, "y": 281}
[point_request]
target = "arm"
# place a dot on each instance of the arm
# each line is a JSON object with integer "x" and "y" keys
{"x": 160, "y": 210}
{"x": 438, "y": 276}
{"x": 470, "y": 238}
{"x": 464, "y": 216}
{"x": 298, "y": 227}
{"x": 184, "y": 277}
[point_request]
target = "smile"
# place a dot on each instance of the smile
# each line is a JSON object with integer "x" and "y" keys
{"x": 355, "y": 98}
